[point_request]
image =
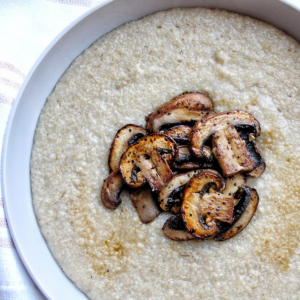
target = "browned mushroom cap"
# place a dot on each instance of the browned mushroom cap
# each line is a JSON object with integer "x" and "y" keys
{"x": 186, "y": 161}
{"x": 231, "y": 152}
{"x": 144, "y": 161}
{"x": 243, "y": 213}
{"x": 174, "y": 229}
{"x": 125, "y": 137}
{"x": 188, "y": 107}
{"x": 145, "y": 205}
{"x": 111, "y": 189}
{"x": 170, "y": 197}
{"x": 207, "y": 127}
{"x": 193, "y": 209}
{"x": 180, "y": 134}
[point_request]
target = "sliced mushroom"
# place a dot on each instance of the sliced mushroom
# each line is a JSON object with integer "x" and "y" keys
{"x": 254, "y": 150}
{"x": 233, "y": 184}
{"x": 180, "y": 134}
{"x": 145, "y": 205}
{"x": 111, "y": 189}
{"x": 207, "y": 127}
{"x": 174, "y": 229}
{"x": 143, "y": 161}
{"x": 170, "y": 197}
{"x": 125, "y": 137}
{"x": 188, "y": 107}
{"x": 177, "y": 116}
{"x": 259, "y": 160}
{"x": 228, "y": 147}
{"x": 217, "y": 206}
{"x": 185, "y": 160}
{"x": 231, "y": 152}
{"x": 243, "y": 213}
{"x": 191, "y": 212}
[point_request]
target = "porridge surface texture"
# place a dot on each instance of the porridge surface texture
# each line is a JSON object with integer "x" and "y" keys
{"x": 241, "y": 63}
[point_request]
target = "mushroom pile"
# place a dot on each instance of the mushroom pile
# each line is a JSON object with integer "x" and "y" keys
{"x": 175, "y": 165}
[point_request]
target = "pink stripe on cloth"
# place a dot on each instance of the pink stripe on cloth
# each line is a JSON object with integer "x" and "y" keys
{"x": 3, "y": 223}
{"x": 85, "y": 3}
{"x": 6, "y": 243}
{"x": 10, "y": 83}
{"x": 6, "y": 100}
{"x": 1, "y": 203}
{"x": 12, "y": 68}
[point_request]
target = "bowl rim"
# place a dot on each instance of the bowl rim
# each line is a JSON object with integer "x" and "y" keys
{"x": 10, "y": 120}
{"x": 291, "y": 3}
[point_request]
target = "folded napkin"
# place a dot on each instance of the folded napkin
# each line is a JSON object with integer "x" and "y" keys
{"x": 26, "y": 28}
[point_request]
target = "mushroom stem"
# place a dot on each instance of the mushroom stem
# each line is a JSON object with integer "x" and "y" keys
{"x": 231, "y": 152}
{"x": 243, "y": 213}
{"x": 218, "y": 207}
{"x": 145, "y": 205}
{"x": 156, "y": 178}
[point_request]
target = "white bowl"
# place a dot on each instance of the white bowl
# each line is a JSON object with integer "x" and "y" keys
{"x": 38, "y": 85}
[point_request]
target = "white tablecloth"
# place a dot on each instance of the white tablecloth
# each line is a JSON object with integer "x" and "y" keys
{"x": 26, "y": 28}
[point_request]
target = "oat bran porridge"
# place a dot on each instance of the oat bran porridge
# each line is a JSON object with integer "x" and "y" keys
{"x": 241, "y": 63}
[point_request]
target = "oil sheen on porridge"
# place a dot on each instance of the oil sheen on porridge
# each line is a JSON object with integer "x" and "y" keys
{"x": 241, "y": 63}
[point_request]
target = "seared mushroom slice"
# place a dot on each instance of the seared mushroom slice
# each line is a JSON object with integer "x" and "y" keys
{"x": 180, "y": 134}
{"x": 125, "y": 137}
{"x": 254, "y": 150}
{"x": 200, "y": 211}
{"x": 188, "y": 107}
{"x": 144, "y": 161}
{"x": 219, "y": 126}
{"x": 217, "y": 206}
{"x": 233, "y": 184}
{"x": 111, "y": 189}
{"x": 231, "y": 152}
{"x": 259, "y": 160}
{"x": 145, "y": 205}
{"x": 185, "y": 160}
{"x": 170, "y": 197}
{"x": 243, "y": 213}
{"x": 174, "y": 229}
{"x": 207, "y": 127}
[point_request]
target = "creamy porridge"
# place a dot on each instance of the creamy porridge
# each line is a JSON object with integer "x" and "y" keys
{"x": 241, "y": 63}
